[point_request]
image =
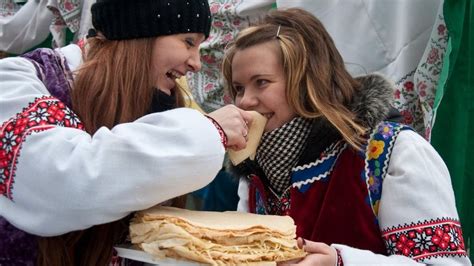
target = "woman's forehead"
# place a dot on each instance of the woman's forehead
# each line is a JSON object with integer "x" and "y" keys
{"x": 262, "y": 59}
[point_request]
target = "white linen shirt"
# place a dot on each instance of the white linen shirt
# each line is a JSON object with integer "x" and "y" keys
{"x": 65, "y": 179}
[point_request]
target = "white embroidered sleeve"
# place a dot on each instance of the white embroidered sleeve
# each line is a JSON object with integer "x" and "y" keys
{"x": 417, "y": 212}
{"x": 56, "y": 178}
{"x": 354, "y": 256}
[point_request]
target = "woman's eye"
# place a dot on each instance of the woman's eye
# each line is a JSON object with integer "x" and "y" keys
{"x": 190, "y": 42}
{"x": 262, "y": 82}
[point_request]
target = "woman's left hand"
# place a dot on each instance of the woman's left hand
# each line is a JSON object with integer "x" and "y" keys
{"x": 318, "y": 254}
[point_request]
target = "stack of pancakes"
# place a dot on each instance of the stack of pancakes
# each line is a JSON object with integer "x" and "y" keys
{"x": 216, "y": 238}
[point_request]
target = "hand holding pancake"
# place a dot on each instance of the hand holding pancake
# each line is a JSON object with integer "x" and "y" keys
{"x": 234, "y": 122}
{"x": 318, "y": 254}
{"x": 252, "y": 136}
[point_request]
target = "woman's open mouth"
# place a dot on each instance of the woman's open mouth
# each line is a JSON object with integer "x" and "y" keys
{"x": 173, "y": 74}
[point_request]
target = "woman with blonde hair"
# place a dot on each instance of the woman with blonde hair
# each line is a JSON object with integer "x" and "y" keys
{"x": 329, "y": 148}
{"x": 90, "y": 134}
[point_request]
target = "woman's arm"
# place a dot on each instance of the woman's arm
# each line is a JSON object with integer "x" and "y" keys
{"x": 417, "y": 212}
{"x": 56, "y": 178}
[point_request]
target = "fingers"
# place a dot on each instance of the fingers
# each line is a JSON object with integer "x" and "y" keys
{"x": 246, "y": 131}
{"x": 312, "y": 247}
{"x": 300, "y": 242}
{"x": 289, "y": 262}
{"x": 234, "y": 122}
{"x": 318, "y": 253}
{"x": 240, "y": 142}
{"x": 247, "y": 116}
{"x": 245, "y": 135}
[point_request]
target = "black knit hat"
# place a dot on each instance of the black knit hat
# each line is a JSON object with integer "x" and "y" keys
{"x": 131, "y": 19}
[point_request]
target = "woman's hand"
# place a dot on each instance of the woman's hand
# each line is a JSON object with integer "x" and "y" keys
{"x": 318, "y": 254}
{"x": 234, "y": 122}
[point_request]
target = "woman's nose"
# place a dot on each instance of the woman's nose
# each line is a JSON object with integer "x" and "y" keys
{"x": 194, "y": 61}
{"x": 247, "y": 100}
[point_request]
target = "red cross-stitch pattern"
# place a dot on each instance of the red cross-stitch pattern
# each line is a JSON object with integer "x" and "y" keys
{"x": 423, "y": 240}
{"x": 44, "y": 113}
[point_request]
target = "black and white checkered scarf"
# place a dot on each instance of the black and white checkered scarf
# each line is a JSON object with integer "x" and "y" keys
{"x": 280, "y": 149}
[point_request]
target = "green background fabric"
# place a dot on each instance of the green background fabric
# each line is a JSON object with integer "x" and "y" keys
{"x": 453, "y": 131}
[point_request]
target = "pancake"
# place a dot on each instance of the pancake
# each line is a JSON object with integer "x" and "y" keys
{"x": 216, "y": 238}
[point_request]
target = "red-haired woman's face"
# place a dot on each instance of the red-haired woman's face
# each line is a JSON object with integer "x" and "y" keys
{"x": 173, "y": 56}
{"x": 260, "y": 82}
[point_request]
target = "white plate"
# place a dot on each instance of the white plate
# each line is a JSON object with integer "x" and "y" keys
{"x": 129, "y": 252}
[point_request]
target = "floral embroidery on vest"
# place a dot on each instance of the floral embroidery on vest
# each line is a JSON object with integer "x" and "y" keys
{"x": 44, "y": 113}
{"x": 424, "y": 240}
{"x": 259, "y": 203}
{"x": 257, "y": 196}
{"x": 279, "y": 205}
{"x": 263, "y": 200}
{"x": 377, "y": 157}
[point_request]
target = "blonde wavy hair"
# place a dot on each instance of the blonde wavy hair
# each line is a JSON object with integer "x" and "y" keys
{"x": 318, "y": 83}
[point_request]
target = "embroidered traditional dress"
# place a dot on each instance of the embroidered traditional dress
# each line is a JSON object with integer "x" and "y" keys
{"x": 332, "y": 198}
{"x": 335, "y": 193}
{"x": 48, "y": 162}
{"x": 16, "y": 245}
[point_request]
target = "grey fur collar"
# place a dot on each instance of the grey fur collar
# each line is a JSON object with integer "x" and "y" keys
{"x": 373, "y": 101}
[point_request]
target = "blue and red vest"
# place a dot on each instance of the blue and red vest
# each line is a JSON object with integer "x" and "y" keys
{"x": 334, "y": 199}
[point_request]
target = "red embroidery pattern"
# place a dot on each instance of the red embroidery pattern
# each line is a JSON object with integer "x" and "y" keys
{"x": 44, "y": 113}
{"x": 435, "y": 238}
{"x": 279, "y": 205}
{"x": 339, "y": 261}
{"x": 115, "y": 260}
{"x": 220, "y": 130}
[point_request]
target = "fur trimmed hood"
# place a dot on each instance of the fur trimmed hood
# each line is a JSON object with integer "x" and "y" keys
{"x": 374, "y": 100}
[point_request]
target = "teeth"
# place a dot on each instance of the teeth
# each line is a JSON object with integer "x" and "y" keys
{"x": 174, "y": 74}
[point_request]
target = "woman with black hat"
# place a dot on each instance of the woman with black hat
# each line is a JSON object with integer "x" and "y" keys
{"x": 88, "y": 135}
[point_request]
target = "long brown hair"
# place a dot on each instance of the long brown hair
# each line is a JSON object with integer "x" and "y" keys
{"x": 318, "y": 83}
{"x": 114, "y": 85}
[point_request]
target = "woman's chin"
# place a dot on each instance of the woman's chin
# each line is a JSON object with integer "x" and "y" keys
{"x": 268, "y": 128}
{"x": 167, "y": 85}
{"x": 166, "y": 90}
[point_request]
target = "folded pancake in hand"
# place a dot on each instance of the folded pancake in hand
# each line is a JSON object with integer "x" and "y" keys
{"x": 217, "y": 238}
{"x": 254, "y": 135}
